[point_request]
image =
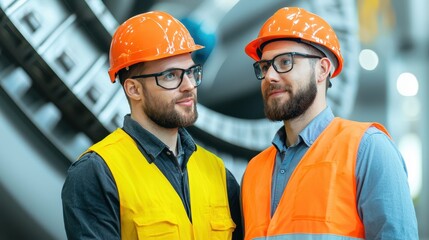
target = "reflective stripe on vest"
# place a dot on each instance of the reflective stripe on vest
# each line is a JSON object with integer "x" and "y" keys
{"x": 150, "y": 207}
{"x": 320, "y": 197}
{"x": 307, "y": 237}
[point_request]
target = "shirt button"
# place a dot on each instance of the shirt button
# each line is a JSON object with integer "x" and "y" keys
{"x": 282, "y": 171}
{"x": 168, "y": 153}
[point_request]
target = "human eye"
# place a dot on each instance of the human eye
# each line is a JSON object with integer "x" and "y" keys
{"x": 194, "y": 72}
{"x": 190, "y": 72}
{"x": 264, "y": 66}
{"x": 170, "y": 75}
{"x": 284, "y": 60}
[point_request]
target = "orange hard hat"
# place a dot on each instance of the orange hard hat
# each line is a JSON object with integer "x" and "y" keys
{"x": 297, "y": 23}
{"x": 147, "y": 37}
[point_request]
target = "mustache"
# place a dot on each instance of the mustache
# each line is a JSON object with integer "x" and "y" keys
{"x": 187, "y": 95}
{"x": 276, "y": 87}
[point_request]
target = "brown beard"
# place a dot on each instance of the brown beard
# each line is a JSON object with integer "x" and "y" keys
{"x": 164, "y": 113}
{"x": 294, "y": 107}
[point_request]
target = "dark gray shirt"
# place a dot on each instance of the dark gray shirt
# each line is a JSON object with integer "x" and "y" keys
{"x": 90, "y": 197}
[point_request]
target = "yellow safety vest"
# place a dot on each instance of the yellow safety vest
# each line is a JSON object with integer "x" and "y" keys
{"x": 150, "y": 208}
{"x": 319, "y": 201}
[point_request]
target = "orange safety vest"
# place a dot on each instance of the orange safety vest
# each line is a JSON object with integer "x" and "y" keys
{"x": 319, "y": 201}
{"x": 150, "y": 207}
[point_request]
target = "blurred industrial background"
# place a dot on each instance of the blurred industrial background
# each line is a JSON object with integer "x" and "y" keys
{"x": 56, "y": 98}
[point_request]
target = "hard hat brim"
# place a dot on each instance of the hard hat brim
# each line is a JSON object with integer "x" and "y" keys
{"x": 142, "y": 56}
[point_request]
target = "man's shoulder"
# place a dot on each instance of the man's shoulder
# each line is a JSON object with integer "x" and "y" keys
{"x": 88, "y": 159}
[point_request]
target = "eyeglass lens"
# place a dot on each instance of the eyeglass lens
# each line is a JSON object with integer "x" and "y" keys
{"x": 172, "y": 78}
{"x": 281, "y": 63}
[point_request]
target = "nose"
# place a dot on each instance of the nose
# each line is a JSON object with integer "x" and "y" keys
{"x": 187, "y": 83}
{"x": 271, "y": 74}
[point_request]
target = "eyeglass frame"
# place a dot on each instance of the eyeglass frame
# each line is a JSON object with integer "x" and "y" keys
{"x": 158, "y": 74}
{"x": 270, "y": 62}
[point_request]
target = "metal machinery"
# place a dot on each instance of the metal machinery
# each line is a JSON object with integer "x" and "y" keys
{"x": 56, "y": 98}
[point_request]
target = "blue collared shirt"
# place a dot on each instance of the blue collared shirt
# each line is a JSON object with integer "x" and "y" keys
{"x": 383, "y": 196}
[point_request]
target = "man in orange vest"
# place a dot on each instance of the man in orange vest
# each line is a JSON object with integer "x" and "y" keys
{"x": 149, "y": 179}
{"x": 324, "y": 177}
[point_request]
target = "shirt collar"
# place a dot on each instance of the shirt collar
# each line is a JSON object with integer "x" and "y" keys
{"x": 309, "y": 134}
{"x": 150, "y": 145}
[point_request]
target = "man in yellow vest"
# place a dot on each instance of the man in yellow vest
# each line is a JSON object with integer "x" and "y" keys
{"x": 324, "y": 177}
{"x": 149, "y": 179}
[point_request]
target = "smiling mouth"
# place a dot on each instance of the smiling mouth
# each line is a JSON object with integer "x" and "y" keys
{"x": 277, "y": 92}
{"x": 186, "y": 102}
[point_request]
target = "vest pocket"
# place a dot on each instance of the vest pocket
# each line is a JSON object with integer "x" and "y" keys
{"x": 222, "y": 228}
{"x": 153, "y": 227}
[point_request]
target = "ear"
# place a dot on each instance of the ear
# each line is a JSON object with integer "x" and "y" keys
{"x": 325, "y": 69}
{"x": 133, "y": 89}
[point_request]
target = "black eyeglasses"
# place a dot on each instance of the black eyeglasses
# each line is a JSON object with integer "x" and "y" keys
{"x": 173, "y": 77}
{"x": 282, "y": 63}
